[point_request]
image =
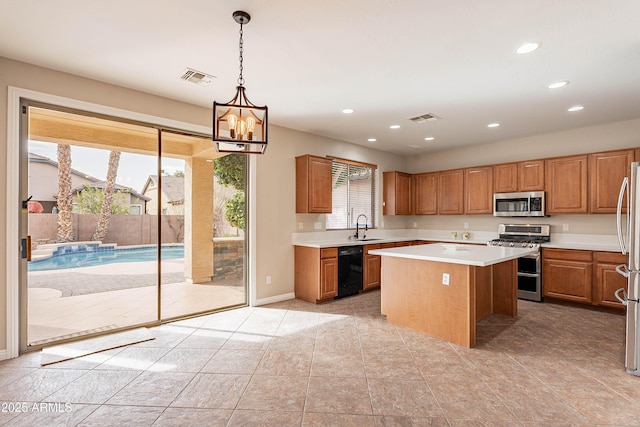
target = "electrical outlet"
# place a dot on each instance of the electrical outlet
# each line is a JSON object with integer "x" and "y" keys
{"x": 317, "y": 225}
{"x": 445, "y": 279}
{"x": 565, "y": 227}
{"x": 466, "y": 225}
{"x": 415, "y": 224}
{"x": 268, "y": 280}
{"x": 300, "y": 225}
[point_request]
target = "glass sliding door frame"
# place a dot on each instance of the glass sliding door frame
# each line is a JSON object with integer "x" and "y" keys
{"x": 23, "y": 220}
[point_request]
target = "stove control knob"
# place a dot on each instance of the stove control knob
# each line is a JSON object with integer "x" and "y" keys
{"x": 532, "y": 245}
{"x": 512, "y": 244}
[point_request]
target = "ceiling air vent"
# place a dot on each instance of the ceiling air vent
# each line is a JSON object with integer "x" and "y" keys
{"x": 428, "y": 117}
{"x": 197, "y": 77}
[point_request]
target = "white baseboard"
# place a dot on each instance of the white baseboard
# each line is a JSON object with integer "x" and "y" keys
{"x": 276, "y": 298}
{"x": 3, "y": 354}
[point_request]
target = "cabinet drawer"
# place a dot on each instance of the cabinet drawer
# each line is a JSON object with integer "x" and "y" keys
{"x": 610, "y": 257}
{"x": 567, "y": 254}
{"x": 329, "y": 253}
{"x": 368, "y": 248}
{"x": 387, "y": 245}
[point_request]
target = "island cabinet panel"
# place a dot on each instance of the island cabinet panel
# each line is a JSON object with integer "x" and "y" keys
{"x": 531, "y": 175}
{"x": 606, "y": 280}
{"x": 566, "y": 185}
{"x": 451, "y": 192}
{"x": 478, "y": 190}
{"x": 316, "y": 273}
{"x": 313, "y": 184}
{"x": 425, "y": 200}
{"x": 371, "y": 277}
{"x": 567, "y": 274}
{"x": 396, "y": 193}
{"x": 414, "y": 297}
{"x": 505, "y": 178}
{"x": 607, "y": 170}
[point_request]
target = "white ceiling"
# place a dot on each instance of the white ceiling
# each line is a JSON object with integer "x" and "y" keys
{"x": 387, "y": 59}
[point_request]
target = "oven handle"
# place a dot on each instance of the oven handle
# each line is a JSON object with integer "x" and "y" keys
{"x": 528, "y": 274}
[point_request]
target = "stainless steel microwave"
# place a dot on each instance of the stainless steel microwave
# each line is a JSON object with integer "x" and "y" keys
{"x": 519, "y": 204}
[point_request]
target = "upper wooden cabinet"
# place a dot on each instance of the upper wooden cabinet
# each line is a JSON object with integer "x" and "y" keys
{"x": 531, "y": 175}
{"x": 451, "y": 192}
{"x": 396, "y": 193}
{"x": 478, "y": 190}
{"x": 566, "y": 184}
{"x": 505, "y": 178}
{"x": 313, "y": 184}
{"x": 522, "y": 176}
{"x": 607, "y": 170}
{"x": 425, "y": 190}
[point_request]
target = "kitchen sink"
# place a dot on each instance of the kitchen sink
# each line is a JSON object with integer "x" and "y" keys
{"x": 367, "y": 240}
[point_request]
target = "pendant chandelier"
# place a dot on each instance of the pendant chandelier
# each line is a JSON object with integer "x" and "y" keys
{"x": 238, "y": 125}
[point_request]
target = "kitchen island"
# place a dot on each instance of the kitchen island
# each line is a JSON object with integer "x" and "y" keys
{"x": 442, "y": 290}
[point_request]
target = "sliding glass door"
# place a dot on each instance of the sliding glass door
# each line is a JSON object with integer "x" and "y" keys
{"x": 121, "y": 219}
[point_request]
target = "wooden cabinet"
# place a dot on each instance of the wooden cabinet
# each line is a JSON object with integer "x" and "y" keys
{"x": 567, "y": 274}
{"x": 396, "y": 193}
{"x": 606, "y": 172}
{"x": 451, "y": 192}
{"x": 371, "y": 268}
{"x": 566, "y": 183}
{"x": 522, "y": 176}
{"x": 316, "y": 273}
{"x": 505, "y": 178}
{"x": 425, "y": 190}
{"x": 313, "y": 184}
{"x": 531, "y": 175}
{"x": 478, "y": 190}
{"x": 606, "y": 281}
{"x": 328, "y": 277}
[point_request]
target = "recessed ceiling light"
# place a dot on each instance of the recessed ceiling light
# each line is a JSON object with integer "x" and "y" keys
{"x": 575, "y": 108}
{"x": 347, "y": 110}
{"x": 372, "y": 140}
{"x": 528, "y": 47}
{"x": 429, "y": 138}
{"x": 493, "y": 125}
{"x": 559, "y": 84}
{"x": 394, "y": 127}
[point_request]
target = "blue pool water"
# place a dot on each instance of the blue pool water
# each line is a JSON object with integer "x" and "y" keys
{"x": 90, "y": 255}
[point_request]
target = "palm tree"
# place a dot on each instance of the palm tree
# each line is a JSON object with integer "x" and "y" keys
{"x": 65, "y": 207}
{"x": 102, "y": 226}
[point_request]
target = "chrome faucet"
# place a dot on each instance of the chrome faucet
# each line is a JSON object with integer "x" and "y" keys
{"x": 366, "y": 220}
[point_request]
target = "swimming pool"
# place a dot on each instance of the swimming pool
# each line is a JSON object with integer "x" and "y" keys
{"x": 90, "y": 255}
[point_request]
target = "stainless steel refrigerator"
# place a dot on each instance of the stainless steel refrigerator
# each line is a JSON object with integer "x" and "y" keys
{"x": 628, "y": 224}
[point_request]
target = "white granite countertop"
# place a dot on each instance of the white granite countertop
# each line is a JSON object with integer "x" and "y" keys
{"x": 480, "y": 256}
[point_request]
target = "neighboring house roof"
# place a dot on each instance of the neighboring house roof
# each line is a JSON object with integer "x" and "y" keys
{"x": 37, "y": 158}
{"x": 121, "y": 188}
{"x": 172, "y": 187}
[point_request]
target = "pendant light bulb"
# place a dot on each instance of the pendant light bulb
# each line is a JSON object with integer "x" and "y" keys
{"x": 251, "y": 126}
{"x": 232, "y": 119}
{"x": 241, "y": 129}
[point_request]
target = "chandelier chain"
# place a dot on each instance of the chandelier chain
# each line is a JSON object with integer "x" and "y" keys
{"x": 241, "y": 47}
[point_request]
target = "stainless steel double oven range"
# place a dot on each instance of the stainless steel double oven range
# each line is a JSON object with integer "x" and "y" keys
{"x": 530, "y": 266}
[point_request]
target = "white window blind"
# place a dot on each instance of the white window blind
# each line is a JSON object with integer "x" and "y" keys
{"x": 353, "y": 192}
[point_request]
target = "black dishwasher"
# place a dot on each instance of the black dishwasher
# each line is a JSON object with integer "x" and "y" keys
{"x": 349, "y": 270}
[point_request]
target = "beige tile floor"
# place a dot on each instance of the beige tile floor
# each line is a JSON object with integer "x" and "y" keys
{"x": 339, "y": 364}
{"x": 52, "y": 316}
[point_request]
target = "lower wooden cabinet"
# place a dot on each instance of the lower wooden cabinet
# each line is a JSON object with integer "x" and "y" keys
{"x": 371, "y": 279}
{"x": 582, "y": 276}
{"x": 316, "y": 273}
{"x": 606, "y": 279}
